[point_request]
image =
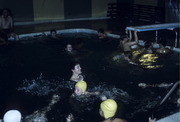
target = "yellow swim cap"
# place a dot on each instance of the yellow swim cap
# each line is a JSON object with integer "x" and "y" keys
{"x": 109, "y": 108}
{"x": 82, "y": 84}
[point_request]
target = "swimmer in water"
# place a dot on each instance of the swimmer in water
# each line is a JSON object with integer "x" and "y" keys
{"x": 76, "y": 72}
{"x": 12, "y": 116}
{"x": 80, "y": 89}
{"x": 69, "y": 49}
{"x": 162, "y": 85}
{"x": 102, "y": 34}
{"x": 37, "y": 116}
{"x": 108, "y": 110}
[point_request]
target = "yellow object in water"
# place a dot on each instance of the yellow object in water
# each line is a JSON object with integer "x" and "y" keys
{"x": 109, "y": 108}
{"x": 148, "y": 60}
{"x": 82, "y": 84}
{"x": 136, "y": 53}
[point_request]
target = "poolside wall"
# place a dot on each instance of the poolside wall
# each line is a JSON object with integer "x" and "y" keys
{"x": 44, "y": 10}
{"x": 40, "y": 10}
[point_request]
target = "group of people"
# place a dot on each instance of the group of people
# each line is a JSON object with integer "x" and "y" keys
{"x": 108, "y": 107}
{"x": 143, "y": 53}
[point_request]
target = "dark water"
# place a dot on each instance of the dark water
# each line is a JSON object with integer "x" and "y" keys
{"x": 31, "y": 71}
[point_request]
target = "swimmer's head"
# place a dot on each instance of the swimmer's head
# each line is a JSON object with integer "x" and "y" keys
{"x": 12, "y": 116}
{"x": 5, "y": 12}
{"x": 80, "y": 88}
{"x": 76, "y": 68}
{"x": 108, "y": 108}
{"x": 53, "y": 33}
{"x": 69, "y": 48}
{"x": 101, "y": 30}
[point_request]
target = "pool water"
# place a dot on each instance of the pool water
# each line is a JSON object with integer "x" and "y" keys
{"x": 32, "y": 70}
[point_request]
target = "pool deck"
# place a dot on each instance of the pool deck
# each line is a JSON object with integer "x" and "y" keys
{"x": 172, "y": 118}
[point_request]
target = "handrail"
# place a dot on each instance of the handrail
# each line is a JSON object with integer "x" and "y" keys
{"x": 169, "y": 93}
{"x": 165, "y": 98}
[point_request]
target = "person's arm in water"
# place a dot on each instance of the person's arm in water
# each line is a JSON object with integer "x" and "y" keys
{"x": 86, "y": 93}
{"x": 92, "y": 93}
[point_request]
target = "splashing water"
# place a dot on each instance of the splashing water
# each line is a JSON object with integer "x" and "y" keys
{"x": 113, "y": 92}
{"x": 41, "y": 87}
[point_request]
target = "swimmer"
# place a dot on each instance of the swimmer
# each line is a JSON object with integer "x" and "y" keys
{"x": 102, "y": 34}
{"x": 12, "y": 116}
{"x": 76, "y": 72}
{"x": 70, "y": 118}
{"x": 80, "y": 89}
{"x": 162, "y": 85}
{"x": 108, "y": 110}
{"x": 69, "y": 48}
{"x": 125, "y": 45}
{"x": 53, "y": 34}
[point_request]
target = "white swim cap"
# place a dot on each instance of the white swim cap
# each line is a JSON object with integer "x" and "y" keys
{"x": 12, "y": 116}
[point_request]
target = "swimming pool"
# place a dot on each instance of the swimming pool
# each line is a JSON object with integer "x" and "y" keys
{"x": 32, "y": 70}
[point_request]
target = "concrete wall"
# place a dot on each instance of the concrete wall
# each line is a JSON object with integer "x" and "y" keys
{"x": 40, "y": 10}
{"x": 22, "y": 10}
{"x": 48, "y": 9}
{"x": 99, "y": 7}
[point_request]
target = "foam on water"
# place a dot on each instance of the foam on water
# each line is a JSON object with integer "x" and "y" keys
{"x": 41, "y": 86}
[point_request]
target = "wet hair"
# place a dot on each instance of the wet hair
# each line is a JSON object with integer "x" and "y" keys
{"x": 73, "y": 64}
{"x": 101, "y": 30}
{"x": 53, "y": 30}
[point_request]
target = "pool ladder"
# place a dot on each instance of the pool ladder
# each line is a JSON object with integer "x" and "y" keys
{"x": 167, "y": 95}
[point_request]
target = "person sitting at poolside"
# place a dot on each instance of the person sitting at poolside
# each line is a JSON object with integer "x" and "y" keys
{"x": 108, "y": 110}
{"x": 12, "y": 116}
{"x": 76, "y": 72}
{"x": 6, "y": 26}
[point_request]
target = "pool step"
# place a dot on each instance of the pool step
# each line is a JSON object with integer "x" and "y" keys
{"x": 172, "y": 118}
